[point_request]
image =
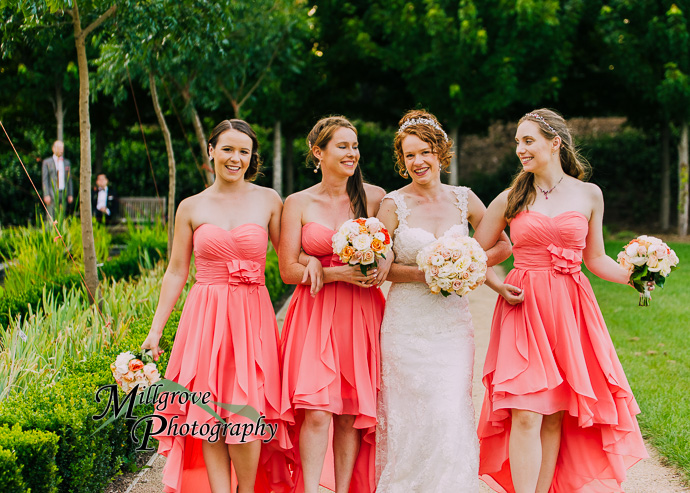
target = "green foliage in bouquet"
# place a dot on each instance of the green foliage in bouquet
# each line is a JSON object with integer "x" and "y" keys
{"x": 640, "y": 277}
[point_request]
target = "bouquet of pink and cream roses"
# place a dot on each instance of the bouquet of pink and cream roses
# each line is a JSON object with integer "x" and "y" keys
{"x": 362, "y": 241}
{"x": 648, "y": 259}
{"x": 130, "y": 369}
{"x": 453, "y": 264}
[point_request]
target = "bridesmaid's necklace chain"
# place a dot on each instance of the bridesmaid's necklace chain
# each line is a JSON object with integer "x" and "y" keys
{"x": 547, "y": 192}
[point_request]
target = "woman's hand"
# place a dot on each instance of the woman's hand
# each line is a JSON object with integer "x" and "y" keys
{"x": 313, "y": 274}
{"x": 151, "y": 343}
{"x": 353, "y": 275}
{"x": 384, "y": 268}
{"x": 512, "y": 294}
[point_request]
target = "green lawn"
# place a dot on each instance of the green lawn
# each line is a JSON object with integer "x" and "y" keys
{"x": 652, "y": 343}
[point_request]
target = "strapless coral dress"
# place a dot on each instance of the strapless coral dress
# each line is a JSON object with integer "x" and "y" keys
{"x": 226, "y": 344}
{"x": 552, "y": 353}
{"x": 330, "y": 350}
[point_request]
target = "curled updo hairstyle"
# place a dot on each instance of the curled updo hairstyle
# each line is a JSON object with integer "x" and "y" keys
{"x": 440, "y": 144}
{"x": 244, "y": 127}
{"x": 523, "y": 191}
{"x": 320, "y": 136}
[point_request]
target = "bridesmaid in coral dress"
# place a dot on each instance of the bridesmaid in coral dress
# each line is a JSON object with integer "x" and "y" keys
{"x": 227, "y": 339}
{"x": 558, "y": 413}
{"x": 330, "y": 339}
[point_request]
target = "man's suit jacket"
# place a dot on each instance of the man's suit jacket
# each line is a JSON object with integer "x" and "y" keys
{"x": 111, "y": 202}
{"x": 50, "y": 178}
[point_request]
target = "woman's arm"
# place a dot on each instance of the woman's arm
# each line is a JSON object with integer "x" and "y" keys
{"x": 492, "y": 223}
{"x": 512, "y": 294}
{"x": 175, "y": 276}
{"x": 501, "y": 248}
{"x": 594, "y": 254}
{"x": 397, "y": 272}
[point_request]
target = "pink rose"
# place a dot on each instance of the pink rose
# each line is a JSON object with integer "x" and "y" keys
{"x": 368, "y": 257}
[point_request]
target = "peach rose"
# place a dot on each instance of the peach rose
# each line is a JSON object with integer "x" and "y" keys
{"x": 347, "y": 253}
{"x": 377, "y": 245}
{"x": 135, "y": 364}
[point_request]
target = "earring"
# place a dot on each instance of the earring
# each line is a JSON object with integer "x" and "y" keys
{"x": 318, "y": 165}
{"x": 405, "y": 175}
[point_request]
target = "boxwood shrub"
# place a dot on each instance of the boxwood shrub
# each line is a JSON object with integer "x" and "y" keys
{"x": 35, "y": 452}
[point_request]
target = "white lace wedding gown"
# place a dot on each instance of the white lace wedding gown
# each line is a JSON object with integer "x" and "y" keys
{"x": 426, "y": 440}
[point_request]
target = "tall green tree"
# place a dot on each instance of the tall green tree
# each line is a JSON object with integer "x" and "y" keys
{"x": 468, "y": 61}
{"x": 42, "y": 14}
{"x": 649, "y": 50}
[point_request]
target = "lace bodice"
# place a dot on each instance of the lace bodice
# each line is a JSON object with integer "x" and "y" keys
{"x": 407, "y": 241}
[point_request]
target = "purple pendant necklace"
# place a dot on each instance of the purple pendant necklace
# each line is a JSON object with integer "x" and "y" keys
{"x": 547, "y": 192}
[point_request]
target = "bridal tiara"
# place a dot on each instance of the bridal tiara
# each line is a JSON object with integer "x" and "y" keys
{"x": 542, "y": 120}
{"x": 422, "y": 121}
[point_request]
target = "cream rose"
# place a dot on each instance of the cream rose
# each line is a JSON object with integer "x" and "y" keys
{"x": 339, "y": 242}
{"x": 361, "y": 242}
{"x": 122, "y": 361}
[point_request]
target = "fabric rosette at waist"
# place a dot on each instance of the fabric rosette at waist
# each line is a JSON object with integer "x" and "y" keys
{"x": 554, "y": 257}
{"x": 234, "y": 273}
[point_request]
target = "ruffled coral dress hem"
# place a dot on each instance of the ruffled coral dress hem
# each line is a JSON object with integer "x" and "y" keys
{"x": 553, "y": 353}
{"x": 330, "y": 351}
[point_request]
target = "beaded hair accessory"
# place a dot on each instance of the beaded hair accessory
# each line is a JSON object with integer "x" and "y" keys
{"x": 422, "y": 121}
{"x": 542, "y": 120}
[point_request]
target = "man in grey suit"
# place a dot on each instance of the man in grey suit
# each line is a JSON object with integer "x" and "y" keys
{"x": 57, "y": 178}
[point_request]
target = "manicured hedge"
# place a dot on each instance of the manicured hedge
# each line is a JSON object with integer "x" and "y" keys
{"x": 35, "y": 452}
{"x": 10, "y": 473}
{"x": 86, "y": 461}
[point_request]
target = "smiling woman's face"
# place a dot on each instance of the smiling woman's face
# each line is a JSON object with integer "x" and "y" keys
{"x": 232, "y": 155}
{"x": 532, "y": 148}
{"x": 422, "y": 165}
{"x": 341, "y": 154}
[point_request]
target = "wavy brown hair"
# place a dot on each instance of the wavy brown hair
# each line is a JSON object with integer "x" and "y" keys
{"x": 522, "y": 190}
{"x": 440, "y": 144}
{"x": 320, "y": 136}
{"x": 241, "y": 126}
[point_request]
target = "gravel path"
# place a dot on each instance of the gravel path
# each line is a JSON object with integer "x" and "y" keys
{"x": 647, "y": 476}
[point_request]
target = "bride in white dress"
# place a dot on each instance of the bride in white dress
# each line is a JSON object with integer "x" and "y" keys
{"x": 426, "y": 436}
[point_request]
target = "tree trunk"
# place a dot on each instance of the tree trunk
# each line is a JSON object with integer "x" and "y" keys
{"x": 209, "y": 177}
{"x": 59, "y": 110}
{"x": 88, "y": 245}
{"x": 454, "y": 178}
{"x": 289, "y": 166}
{"x": 277, "y": 159}
{"x": 171, "y": 160}
{"x": 665, "y": 177}
{"x": 683, "y": 181}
